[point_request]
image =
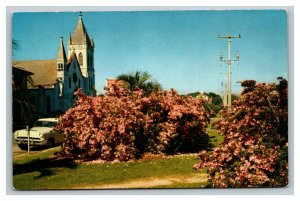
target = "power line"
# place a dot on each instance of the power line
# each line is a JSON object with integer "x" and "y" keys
{"x": 229, "y": 61}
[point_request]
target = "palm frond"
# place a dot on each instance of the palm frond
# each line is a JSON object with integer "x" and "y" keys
{"x": 15, "y": 44}
{"x": 141, "y": 80}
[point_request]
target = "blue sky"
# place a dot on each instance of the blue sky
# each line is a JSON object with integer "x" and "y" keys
{"x": 180, "y": 49}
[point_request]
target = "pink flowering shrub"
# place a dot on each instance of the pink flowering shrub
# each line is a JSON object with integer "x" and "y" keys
{"x": 173, "y": 123}
{"x": 255, "y": 148}
{"x": 122, "y": 125}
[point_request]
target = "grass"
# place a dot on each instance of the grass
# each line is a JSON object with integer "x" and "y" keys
{"x": 180, "y": 186}
{"x": 23, "y": 158}
{"x": 216, "y": 138}
{"x": 40, "y": 171}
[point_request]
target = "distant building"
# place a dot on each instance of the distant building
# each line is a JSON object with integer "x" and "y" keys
{"x": 204, "y": 97}
{"x": 55, "y": 81}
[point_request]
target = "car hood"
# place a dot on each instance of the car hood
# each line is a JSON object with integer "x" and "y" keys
{"x": 34, "y": 132}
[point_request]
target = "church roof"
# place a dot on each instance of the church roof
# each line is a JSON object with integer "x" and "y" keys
{"x": 21, "y": 72}
{"x": 61, "y": 54}
{"x": 80, "y": 35}
{"x": 72, "y": 56}
{"x": 44, "y": 71}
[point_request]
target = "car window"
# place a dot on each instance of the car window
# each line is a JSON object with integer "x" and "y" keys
{"x": 51, "y": 124}
{"x": 38, "y": 124}
{"x": 45, "y": 124}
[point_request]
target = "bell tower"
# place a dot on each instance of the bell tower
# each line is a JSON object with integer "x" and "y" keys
{"x": 61, "y": 63}
{"x": 83, "y": 46}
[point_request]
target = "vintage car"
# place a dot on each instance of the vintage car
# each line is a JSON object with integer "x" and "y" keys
{"x": 41, "y": 134}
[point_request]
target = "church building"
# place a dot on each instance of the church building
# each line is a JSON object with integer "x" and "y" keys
{"x": 55, "y": 81}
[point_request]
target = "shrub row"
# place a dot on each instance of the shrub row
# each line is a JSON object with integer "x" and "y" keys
{"x": 123, "y": 125}
{"x": 255, "y": 148}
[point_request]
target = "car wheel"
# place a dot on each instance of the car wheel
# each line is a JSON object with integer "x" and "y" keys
{"x": 23, "y": 146}
{"x": 50, "y": 143}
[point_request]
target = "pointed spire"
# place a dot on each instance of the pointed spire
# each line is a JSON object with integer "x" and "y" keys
{"x": 61, "y": 55}
{"x": 80, "y": 35}
{"x": 92, "y": 41}
{"x": 70, "y": 39}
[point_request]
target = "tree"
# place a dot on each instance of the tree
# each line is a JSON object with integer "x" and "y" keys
{"x": 15, "y": 45}
{"x": 140, "y": 80}
{"x": 123, "y": 126}
{"x": 23, "y": 109}
{"x": 255, "y": 148}
{"x": 194, "y": 94}
{"x": 214, "y": 105}
{"x": 234, "y": 97}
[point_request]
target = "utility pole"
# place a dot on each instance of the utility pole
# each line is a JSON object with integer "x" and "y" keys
{"x": 28, "y": 139}
{"x": 224, "y": 93}
{"x": 228, "y": 61}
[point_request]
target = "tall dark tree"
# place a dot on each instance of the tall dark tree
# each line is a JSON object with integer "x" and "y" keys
{"x": 213, "y": 106}
{"x": 23, "y": 110}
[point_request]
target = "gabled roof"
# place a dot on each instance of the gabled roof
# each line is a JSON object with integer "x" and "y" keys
{"x": 71, "y": 58}
{"x": 80, "y": 35}
{"x": 44, "y": 71}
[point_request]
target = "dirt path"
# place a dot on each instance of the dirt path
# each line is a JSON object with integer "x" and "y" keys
{"x": 150, "y": 182}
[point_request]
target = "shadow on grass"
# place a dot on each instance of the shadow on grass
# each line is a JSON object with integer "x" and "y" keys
{"x": 213, "y": 143}
{"x": 44, "y": 166}
{"x": 38, "y": 148}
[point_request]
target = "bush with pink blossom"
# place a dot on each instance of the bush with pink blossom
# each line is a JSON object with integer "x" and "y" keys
{"x": 255, "y": 148}
{"x": 122, "y": 125}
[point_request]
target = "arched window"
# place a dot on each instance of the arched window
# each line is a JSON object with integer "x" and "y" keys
{"x": 80, "y": 58}
{"x": 69, "y": 82}
{"x": 74, "y": 78}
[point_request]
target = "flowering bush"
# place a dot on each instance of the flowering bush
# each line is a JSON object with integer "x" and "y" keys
{"x": 122, "y": 125}
{"x": 174, "y": 123}
{"x": 255, "y": 149}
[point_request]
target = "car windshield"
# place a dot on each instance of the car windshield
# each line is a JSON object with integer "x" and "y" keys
{"x": 45, "y": 124}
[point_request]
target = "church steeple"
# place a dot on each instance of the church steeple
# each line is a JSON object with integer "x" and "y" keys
{"x": 92, "y": 41}
{"x": 80, "y": 35}
{"x": 81, "y": 45}
{"x": 61, "y": 61}
{"x": 69, "y": 39}
{"x": 61, "y": 54}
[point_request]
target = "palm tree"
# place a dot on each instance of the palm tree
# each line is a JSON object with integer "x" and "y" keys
{"x": 140, "y": 80}
{"x": 23, "y": 109}
{"x": 15, "y": 44}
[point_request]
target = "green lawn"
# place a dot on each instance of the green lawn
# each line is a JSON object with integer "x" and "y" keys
{"x": 40, "y": 171}
{"x": 216, "y": 138}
